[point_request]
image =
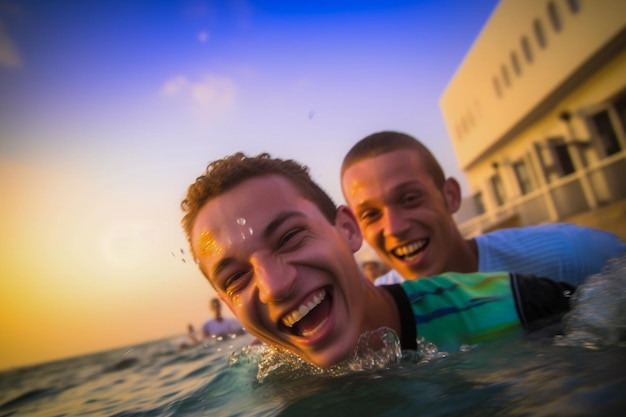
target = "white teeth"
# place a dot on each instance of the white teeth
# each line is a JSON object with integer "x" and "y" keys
{"x": 409, "y": 249}
{"x": 295, "y": 316}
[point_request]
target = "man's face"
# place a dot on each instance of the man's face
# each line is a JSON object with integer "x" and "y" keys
{"x": 284, "y": 270}
{"x": 402, "y": 214}
{"x": 372, "y": 270}
{"x": 216, "y": 308}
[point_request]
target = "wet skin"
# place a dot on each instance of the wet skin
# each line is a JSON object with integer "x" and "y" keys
{"x": 405, "y": 217}
{"x": 286, "y": 272}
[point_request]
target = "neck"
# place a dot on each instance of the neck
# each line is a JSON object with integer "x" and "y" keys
{"x": 465, "y": 257}
{"x": 472, "y": 255}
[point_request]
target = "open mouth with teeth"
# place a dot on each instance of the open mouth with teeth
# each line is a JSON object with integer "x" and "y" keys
{"x": 411, "y": 251}
{"x": 310, "y": 316}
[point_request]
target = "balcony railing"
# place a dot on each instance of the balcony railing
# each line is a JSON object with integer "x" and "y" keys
{"x": 597, "y": 185}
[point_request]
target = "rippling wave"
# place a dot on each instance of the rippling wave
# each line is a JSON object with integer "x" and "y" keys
{"x": 579, "y": 374}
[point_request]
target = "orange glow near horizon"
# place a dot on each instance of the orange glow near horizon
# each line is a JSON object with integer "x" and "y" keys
{"x": 75, "y": 282}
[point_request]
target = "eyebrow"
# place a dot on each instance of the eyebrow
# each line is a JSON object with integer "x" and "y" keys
{"x": 399, "y": 188}
{"x": 269, "y": 230}
{"x": 282, "y": 217}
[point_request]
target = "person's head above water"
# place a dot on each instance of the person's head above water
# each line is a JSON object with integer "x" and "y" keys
{"x": 404, "y": 205}
{"x": 280, "y": 254}
{"x": 216, "y": 307}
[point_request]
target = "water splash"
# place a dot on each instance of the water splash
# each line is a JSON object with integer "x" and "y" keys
{"x": 597, "y": 318}
{"x": 250, "y": 354}
{"x": 427, "y": 352}
{"x": 375, "y": 350}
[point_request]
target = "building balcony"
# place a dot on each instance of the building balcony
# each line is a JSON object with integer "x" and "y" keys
{"x": 592, "y": 196}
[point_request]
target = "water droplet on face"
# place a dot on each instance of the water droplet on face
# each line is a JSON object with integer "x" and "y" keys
{"x": 245, "y": 233}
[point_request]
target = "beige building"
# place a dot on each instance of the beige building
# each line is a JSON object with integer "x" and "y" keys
{"x": 537, "y": 113}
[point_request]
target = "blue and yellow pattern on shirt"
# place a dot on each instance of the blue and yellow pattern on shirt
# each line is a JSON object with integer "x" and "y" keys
{"x": 452, "y": 309}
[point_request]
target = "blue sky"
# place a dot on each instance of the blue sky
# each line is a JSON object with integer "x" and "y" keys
{"x": 109, "y": 109}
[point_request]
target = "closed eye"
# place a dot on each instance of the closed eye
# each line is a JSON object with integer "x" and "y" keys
{"x": 368, "y": 216}
{"x": 236, "y": 282}
{"x": 291, "y": 238}
{"x": 410, "y": 199}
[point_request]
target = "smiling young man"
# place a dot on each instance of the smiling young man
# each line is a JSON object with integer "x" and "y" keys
{"x": 280, "y": 254}
{"x": 404, "y": 205}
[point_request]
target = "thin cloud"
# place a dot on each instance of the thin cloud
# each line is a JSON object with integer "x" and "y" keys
{"x": 210, "y": 94}
{"x": 175, "y": 86}
{"x": 203, "y": 36}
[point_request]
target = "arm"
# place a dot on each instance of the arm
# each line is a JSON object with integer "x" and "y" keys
{"x": 236, "y": 327}
{"x": 206, "y": 334}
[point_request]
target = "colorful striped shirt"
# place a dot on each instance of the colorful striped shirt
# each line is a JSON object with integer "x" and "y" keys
{"x": 453, "y": 309}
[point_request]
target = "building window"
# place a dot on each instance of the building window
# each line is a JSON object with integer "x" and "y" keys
{"x": 470, "y": 118}
{"x": 539, "y": 33}
{"x": 523, "y": 177}
{"x": 605, "y": 133}
{"x": 515, "y": 63}
{"x": 562, "y": 160}
{"x": 620, "y": 109}
{"x": 496, "y": 86}
{"x": 574, "y": 6}
{"x": 505, "y": 76}
{"x": 555, "y": 19}
{"x": 480, "y": 203}
{"x": 528, "y": 53}
{"x": 498, "y": 189}
{"x": 477, "y": 109}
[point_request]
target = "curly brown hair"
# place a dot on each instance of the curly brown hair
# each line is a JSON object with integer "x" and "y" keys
{"x": 223, "y": 174}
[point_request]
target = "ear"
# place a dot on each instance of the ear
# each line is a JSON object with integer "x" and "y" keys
{"x": 452, "y": 194}
{"x": 347, "y": 225}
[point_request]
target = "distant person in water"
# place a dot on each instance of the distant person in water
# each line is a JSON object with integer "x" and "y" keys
{"x": 373, "y": 268}
{"x": 404, "y": 205}
{"x": 220, "y": 327}
{"x": 192, "y": 336}
{"x": 191, "y": 333}
{"x": 280, "y": 254}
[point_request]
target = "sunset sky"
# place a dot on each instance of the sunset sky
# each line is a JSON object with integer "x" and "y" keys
{"x": 110, "y": 109}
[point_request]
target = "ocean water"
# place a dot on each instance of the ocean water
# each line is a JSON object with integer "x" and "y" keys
{"x": 582, "y": 373}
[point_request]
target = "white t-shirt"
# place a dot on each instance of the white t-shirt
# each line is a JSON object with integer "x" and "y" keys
{"x": 223, "y": 328}
{"x": 562, "y": 252}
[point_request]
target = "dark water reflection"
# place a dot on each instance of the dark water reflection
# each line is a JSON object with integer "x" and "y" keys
{"x": 502, "y": 378}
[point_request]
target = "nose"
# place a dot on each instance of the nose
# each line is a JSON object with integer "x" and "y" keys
{"x": 393, "y": 222}
{"x": 274, "y": 279}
